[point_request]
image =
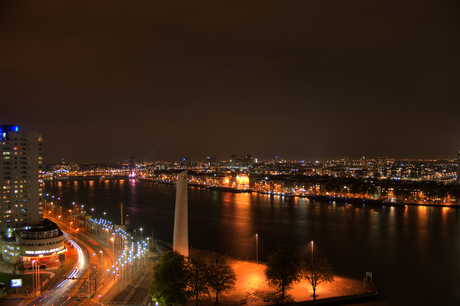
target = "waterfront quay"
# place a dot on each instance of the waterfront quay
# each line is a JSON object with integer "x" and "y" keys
{"x": 376, "y": 191}
{"x": 347, "y": 190}
{"x": 252, "y": 287}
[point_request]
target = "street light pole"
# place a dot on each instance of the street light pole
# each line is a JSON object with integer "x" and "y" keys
{"x": 33, "y": 276}
{"x": 113, "y": 256}
{"x": 118, "y": 279}
{"x": 102, "y": 258}
{"x": 70, "y": 231}
{"x": 257, "y": 248}
{"x": 113, "y": 251}
{"x": 37, "y": 280}
{"x": 312, "y": 250}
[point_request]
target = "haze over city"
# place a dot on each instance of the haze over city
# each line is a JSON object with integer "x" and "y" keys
{"x": 104, "y": 81}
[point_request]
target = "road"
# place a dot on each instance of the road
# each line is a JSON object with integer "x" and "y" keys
{"x": 108, "y": 267}
{"x": 62, "y": 291}
{"x": 75, "y": 286}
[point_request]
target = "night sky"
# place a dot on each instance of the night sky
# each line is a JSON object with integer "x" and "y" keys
{"x": 159, "y": 80}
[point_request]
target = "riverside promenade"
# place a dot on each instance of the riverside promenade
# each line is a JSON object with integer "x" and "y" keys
{"x": 252, "y": 287}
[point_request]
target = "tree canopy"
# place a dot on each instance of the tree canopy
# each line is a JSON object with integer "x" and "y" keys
{"x": 170, "y": 280}
{"x": 177, "y": 279}
{"x": 283, "y": 268}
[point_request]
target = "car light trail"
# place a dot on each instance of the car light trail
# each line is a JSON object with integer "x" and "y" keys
{"x": 81, "y": 263}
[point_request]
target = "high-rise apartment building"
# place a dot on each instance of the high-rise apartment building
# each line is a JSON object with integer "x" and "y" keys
{"x": 20, "y": 178}
{"x": 24, "y": 235}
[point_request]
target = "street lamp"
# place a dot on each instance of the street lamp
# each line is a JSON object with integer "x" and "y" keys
{"x": 76, "y": 236}
{"x": 141, "y": 233}
{"x": 36, "y": 273}
{"x": 257, "y": 248}
{"x": 33, "y": 276}
{"x": 70, "y": 231}
{"x": 113, "y": 249}
{"x": 118, "y": 280}
{"x": 113, "y": 256}
{"x": 102, "y": 258}
{"x": 312, "y": 250}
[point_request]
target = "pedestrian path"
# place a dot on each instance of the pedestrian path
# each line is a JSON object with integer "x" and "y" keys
{"x": 136, "y": 292}
{"x": 135, "y": 288}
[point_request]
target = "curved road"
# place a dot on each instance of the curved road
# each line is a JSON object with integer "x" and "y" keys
{"x": 93, "y": 259}
{"x": 61, "y": 292}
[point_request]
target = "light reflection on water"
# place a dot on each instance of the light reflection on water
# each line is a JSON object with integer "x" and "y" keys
{"x": 400, "y": 246}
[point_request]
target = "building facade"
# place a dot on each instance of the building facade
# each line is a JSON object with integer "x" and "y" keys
{"x": 21, "y": 202}
{"x": 40, "y": 242}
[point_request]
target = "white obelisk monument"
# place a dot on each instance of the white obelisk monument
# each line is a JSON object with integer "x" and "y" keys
{"x": 180, "y": 241}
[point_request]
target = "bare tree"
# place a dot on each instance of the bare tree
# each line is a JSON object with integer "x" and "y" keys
{"x": 283, "y": 268}
{"x": 317, "y": 270}
{"x": 198, "y": 277}
{"x": 221, "y": 278}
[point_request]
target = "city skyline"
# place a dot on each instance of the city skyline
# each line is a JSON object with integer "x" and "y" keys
{"x": 302, "y": 81}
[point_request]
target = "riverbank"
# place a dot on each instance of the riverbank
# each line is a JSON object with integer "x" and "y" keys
{"x": 375, "y": 202}
{"x": 365, "y": 201}
{"x": 351, "y": 200}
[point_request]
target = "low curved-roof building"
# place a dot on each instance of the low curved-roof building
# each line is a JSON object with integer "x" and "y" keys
{"x": 39, "y": 242}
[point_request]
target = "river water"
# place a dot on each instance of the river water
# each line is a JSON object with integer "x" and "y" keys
{"x": 413, "y": 253}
